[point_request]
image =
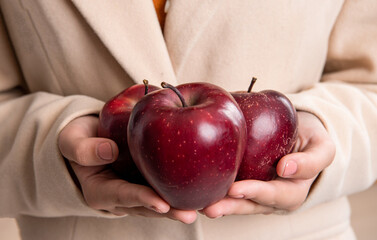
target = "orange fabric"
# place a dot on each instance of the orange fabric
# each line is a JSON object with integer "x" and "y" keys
{"x": 160, "y": 10}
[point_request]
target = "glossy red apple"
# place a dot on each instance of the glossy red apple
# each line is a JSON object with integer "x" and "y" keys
{"x": 272, "y": 125}
{"x": 188, "y": 142}
{"x": 113, "y": 121}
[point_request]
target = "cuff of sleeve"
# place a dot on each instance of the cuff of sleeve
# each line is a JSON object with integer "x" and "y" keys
{"x": 64, "y": 197}
{"x": 315, "y": 105}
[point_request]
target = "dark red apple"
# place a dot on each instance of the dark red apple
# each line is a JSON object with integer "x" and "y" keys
{"x": 272, "y": 125}
{"x": 188, "y": 143}
{"x": 113, "y": 121}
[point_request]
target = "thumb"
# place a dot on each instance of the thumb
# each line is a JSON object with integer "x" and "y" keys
{"x": 316, "y": 150}
{"x": 309, "y": 163}
{"x": 77, "y": 142}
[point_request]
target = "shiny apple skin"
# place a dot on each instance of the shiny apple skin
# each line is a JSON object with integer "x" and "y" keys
{"x": 189, "y": 155}
{"x": 272, "y": 123}
{"x": 113, "y": 121}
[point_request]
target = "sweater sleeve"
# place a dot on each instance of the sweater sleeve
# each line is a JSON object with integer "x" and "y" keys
{"x": 345, "y": 100}
{"x": 34, "y": 178}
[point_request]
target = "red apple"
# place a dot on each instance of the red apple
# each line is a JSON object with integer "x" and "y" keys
{"x": 272, "y": 124}
{"x": 188, "y": 143}
{"x": 113, "y": 121}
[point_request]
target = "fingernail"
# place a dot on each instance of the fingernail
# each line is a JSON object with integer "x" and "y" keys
{"x": 238, "y": 196}
{"x": 290, "y": 168}
{"x": 156, "y": 209}
{"x": 105, "y": 151}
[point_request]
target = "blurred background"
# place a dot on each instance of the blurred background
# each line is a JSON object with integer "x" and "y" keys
{"x": 364, "y": 217}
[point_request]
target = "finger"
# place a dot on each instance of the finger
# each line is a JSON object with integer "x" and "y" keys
{"x": 104, "y": 192}
{"x": 77, "y": 142}
{"x": 183, "y": 216}
{"x": 307, "y": 164}
{"x": 280, "y": 193}
{"x": 136, "y": 211}
{"x": 231, "y": 206}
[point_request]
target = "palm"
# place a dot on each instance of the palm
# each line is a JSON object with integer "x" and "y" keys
{"x": 313, "y": 152}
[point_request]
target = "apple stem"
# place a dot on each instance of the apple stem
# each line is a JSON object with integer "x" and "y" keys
{"x": 145, "y": 81}
{"x": 253, "y": 80}
{"x": 179, "y": 94}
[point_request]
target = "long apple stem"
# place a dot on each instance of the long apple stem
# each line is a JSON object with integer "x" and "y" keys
{"x": 253, "y": 80}
{"x": 179, "y": 94}
{"x": 145, "y": 81}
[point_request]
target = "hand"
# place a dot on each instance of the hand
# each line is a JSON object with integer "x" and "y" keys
{"x": 102, "y": 189}
{"x": 313, "y": 152}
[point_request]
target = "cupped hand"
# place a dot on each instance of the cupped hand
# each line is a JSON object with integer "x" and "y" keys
{"x": 314, "y": 151}
{"x": 89, "y": 157}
